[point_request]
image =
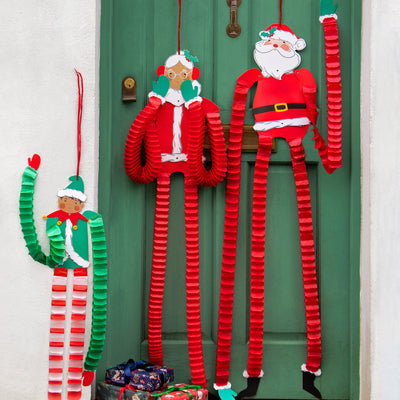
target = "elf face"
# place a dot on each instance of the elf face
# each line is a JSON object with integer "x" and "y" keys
{"x": 70, "y": 205}
{"x": 177, "y": 74}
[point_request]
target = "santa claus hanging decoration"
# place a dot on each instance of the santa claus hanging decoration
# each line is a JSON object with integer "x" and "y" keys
{"x": 284, "y": 106}
{"x": 68, "y": 233}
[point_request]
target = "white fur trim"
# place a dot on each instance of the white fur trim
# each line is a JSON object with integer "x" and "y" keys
{"x": 227, "y": 386}
{"x": 280, "y": 34}
{"x": 154, "y": 94}
{"x": 246, "y": 375}
{"x": 69, "y": 249}
{"x": 188, "y": 103}
{"x": 316, "y": 373}
{"x": 76, "y": 194}
{"x": 300, "y": 44}
{"x": 322, "y": 17}
{"x": 165, "y": 157}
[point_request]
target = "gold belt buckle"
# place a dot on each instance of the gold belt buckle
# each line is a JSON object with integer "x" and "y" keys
{"x": 284, "y": 105}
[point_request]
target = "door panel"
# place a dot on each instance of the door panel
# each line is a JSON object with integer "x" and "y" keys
{"x": 136, "y": 37}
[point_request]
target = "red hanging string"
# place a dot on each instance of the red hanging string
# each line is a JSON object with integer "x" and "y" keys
{"x": 79, "y": 120}
{"x": 280, "y": 12}
{"x": 179, "y": 27}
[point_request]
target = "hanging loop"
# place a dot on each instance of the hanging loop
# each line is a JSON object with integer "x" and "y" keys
{"x": 233, "y": 29}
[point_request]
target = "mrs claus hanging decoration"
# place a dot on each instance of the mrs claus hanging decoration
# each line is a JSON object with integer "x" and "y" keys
{"x": 284, "y": 106}
{"x": 67, "y": 230}
{"x": 171, "y": 126}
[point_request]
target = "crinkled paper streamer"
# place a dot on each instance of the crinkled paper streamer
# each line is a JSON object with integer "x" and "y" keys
{"x": 143, "y": 130}
{"x": 231, "y": 225}
{"x": 57, "y": 247}
{"x": 99, "y": 305}
{"x": 196, "y": 144}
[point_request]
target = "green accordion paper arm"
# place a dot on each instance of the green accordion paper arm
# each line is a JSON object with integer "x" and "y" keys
{"x": 57, "y": 247}
{"x": 99, "y": 306}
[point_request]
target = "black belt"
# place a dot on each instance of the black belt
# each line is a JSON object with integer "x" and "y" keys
{"x": 279, "y": 107}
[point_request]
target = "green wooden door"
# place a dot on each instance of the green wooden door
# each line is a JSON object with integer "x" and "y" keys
{"x": 136, "y": 37}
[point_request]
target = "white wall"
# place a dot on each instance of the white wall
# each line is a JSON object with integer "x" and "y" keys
{"x": 41, "y": 42}
{"x": 380, "y": 137}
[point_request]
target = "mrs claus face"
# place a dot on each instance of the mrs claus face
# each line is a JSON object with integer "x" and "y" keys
{"x": 177, "y": 74}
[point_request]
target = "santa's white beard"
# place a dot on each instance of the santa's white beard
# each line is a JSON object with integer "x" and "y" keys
{"x": 272, "y": 63}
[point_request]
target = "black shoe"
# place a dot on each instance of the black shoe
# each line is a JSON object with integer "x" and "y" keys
{"x": 251, "y": 390}
{"x": 308, "y": 384}
{"x": 212, "y": 396}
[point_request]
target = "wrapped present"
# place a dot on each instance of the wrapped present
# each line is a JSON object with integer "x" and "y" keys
{"x": 182, "y": 391}
{"x": 151, "y": 377}
{"x": 106, "y": 391}
{"x": 121, "y": 374}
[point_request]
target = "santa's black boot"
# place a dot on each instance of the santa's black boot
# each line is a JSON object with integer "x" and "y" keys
{"x": 251, "y": 390}
{"x": 308, "y": 384}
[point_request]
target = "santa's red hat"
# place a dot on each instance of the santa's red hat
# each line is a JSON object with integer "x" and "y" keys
{"x": 283, "y": 32}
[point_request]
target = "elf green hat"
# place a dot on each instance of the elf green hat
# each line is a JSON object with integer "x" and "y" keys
{"x": 75, "y": 189}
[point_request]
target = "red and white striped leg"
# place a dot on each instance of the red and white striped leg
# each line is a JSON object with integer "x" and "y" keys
{"x": 77, "y": 338}
{"x": 57, "y": 322}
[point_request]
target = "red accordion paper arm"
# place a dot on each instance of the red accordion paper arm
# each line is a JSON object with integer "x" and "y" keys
{"x": 143, "y": 129}
{"x": 310, "y": 96}
{"x": 217, "y": 172}
{"x": 334, "y": 89}
{"x": 243, "y": 85}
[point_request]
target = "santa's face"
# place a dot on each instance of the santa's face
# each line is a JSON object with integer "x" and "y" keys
{"x": 177, "y": 74}
{"x": 276, "y": 57}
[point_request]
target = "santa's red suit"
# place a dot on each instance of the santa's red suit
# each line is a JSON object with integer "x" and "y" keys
{"x": 172, "y": 132}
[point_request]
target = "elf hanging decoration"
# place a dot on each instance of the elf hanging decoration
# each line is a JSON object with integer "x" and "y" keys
{"x": 284, "y": 106}
{"x": 67, "y": 230}
{"x": 172, "y": 128}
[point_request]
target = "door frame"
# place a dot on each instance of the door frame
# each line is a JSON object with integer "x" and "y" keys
{"x": 106, "y": 87}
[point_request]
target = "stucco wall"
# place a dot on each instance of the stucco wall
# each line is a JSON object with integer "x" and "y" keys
{"x": 41, "y": 42}
{"x": 381, "y": 198}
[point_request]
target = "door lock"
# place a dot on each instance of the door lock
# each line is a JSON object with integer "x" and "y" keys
{"x": 128, "y": 89}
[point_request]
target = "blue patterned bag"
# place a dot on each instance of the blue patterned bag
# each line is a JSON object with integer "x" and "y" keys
{"x": 151, "y": 377}
{"x": 121, "y": 374}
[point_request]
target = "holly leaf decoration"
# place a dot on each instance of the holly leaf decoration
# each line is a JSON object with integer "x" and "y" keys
{"x": 269, "y": 33}
{"x": 161, "y": 86}
{"x": 188, "y": 91}
{"x": 188, "y": 57}
{"x": 327, "y": 8}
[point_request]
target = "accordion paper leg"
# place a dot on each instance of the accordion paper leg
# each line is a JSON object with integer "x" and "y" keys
{"x": 258, "y": 258}
{"x": 193, "y": 284}
{"x": 307, "y": 256}
{"x": 77, "y": 337}
{"x": 158, "y": 270}
{"x": 57, "y": 326}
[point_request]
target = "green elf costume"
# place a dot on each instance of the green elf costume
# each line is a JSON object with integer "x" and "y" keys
{"x": 67, "y": 230}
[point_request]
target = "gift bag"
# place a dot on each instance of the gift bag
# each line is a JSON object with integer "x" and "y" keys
{"x": 151, "y": 377}
{"x": 121, "y": 374}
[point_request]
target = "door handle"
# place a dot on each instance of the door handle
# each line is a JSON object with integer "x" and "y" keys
{"x": 233, "y": 29}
